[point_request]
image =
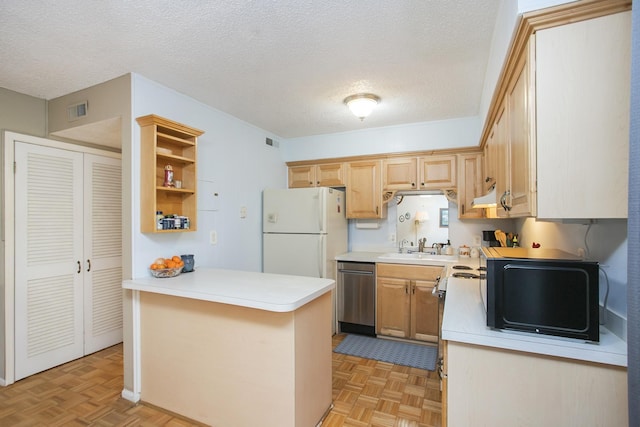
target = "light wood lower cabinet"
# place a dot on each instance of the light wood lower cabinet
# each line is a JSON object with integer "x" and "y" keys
{"x": 405, "y": 307}
{"x": 487, "y": 386}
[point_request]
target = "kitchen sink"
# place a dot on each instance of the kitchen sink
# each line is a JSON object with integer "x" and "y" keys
{"x": 423, "y": 256}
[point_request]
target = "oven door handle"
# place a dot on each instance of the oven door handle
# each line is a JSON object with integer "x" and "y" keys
{"x": 436, "y": 292}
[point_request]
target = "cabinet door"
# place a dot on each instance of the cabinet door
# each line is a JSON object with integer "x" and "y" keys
{"x": 469, "y": 185}
{"x": 490, "y": 160}
{"x": 364, "y": 193}
{"x": 400, "y": 174}
{"x": 582, "y": 101}
{"x": 437, "y": 172}
{"x": 521, "y": 197}
{"x": 48, "y": 258}
{"x": 425, "y": 313}
{"x": 330, "y": 175}
{"x": 302, "y": 176}
{"x": 102, "y": 261}
{"x": 393, "y": 307}
{"x": 501, "y": 142}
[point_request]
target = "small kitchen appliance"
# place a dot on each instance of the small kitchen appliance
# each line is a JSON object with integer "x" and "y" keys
{"x": 489, "y": 238}
{"x": 543, "y": 291}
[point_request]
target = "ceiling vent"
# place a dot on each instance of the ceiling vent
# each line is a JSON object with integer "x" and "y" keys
{"x": 77, "y": 111}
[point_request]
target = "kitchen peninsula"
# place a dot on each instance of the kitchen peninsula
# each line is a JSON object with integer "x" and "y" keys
{"x": 234, "y": 348}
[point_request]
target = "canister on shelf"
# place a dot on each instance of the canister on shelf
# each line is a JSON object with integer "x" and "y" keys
{"x": 168, "y": 176}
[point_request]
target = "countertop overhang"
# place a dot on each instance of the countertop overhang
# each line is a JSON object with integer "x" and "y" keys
{"x": 263, "y": 291}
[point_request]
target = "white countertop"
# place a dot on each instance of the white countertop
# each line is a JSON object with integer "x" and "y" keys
{"x": 270, "y": 292}
{"x": 465, "y": 322}
{"x": 375, "y": 257}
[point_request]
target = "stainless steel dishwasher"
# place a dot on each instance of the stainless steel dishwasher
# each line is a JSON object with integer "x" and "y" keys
{"x": 357, "y": 297}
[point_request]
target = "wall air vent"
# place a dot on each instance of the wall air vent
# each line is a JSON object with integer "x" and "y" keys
{"x": 77, "y": 111}
{"x": 271, "y": 142}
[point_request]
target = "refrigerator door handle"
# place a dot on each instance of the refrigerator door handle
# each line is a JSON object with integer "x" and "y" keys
{"x": 323, "y": 207}
{"x": 320, "y": 258}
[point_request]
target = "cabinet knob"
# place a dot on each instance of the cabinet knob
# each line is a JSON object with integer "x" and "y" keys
{"x": 413, "y": 184}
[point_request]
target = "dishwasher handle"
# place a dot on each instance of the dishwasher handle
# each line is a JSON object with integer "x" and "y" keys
{"x": 365, "y": 273}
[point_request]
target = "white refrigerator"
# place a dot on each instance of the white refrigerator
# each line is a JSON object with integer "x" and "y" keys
{"x": 303, "y": 231}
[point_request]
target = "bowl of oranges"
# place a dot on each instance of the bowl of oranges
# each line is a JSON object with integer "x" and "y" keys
{"x": 166, "y": 267}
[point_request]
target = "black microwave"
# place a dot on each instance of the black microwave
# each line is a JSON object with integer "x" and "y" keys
{"x": 543, "y": 291}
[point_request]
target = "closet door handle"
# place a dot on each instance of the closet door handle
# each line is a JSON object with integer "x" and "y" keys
{"x": 79, "y": 267}
{"x": 88, "y": 265}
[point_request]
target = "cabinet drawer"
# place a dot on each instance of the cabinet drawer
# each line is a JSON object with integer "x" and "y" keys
{"x": 410, "y": 272}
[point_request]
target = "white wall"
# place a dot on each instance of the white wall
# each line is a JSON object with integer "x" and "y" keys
{"x": 604, "y": 241}
{"x": 233, "y": 160}
{"x": 462, "y": 132}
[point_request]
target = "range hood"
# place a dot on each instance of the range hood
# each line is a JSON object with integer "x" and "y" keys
{"x": 486, "y": 201}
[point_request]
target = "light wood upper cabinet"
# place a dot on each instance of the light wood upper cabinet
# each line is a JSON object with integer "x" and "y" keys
{"x": 405, "y": 306}
{"x": 321, "y": 175}
{"x": 400, "y": 174}
{"x": 302, "y": 176}
{"x": 364, "y": 190}
{"x": 582, "y": 97}
{"x": 521, "y": 158}
{"x": 165, "y": 142}
{"x": 490, "y": 161}
{"x": 469, "y": 185}
{"x": 560, "y": 133}
{"x": 437, "y": 172}
{"x": 514, "y": 140}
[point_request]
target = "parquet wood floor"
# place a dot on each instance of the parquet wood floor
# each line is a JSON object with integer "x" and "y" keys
{"x": 379, "y": 394}
{"x": 86, "y": 392}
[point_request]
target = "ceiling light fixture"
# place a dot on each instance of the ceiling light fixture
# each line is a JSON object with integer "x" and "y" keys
{"x": 362, "y": 104}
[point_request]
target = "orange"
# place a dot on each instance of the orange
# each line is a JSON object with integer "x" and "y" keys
{"x": 176, "y": 258}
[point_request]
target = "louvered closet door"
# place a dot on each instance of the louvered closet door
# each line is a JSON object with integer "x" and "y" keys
{"x": 48, "y": 254}
{"x": 102, "y": 252}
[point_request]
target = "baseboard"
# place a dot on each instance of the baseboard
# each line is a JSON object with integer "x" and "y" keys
{"x": 130, "y": 396}
{"x": 3, "y": 382}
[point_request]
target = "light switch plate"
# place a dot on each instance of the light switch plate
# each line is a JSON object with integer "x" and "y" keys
{"x": 213, "y": 237}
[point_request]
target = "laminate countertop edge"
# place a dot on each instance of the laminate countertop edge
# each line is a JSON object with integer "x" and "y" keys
{"x": 271, "y": 292}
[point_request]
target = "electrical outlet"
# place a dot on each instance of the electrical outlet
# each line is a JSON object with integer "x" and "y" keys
{"x": 581, "y": 252}
{"x": 243, "y": 212}
{"x": 477, "y": 240}
{"x": 213, "y": 237}
{"x": 392, "y": 237}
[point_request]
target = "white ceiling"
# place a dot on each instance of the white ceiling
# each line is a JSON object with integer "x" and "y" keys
{"x": 282, "y": 65}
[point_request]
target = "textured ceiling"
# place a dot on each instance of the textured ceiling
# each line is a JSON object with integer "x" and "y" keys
{"x": 282, "y": 65}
